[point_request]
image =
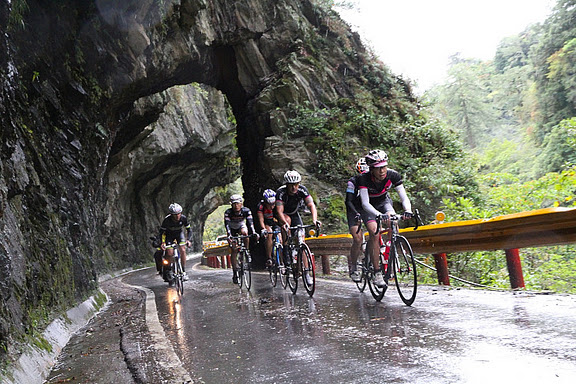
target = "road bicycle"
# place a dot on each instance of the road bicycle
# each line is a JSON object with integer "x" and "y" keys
{"x": 299, "y": 260}
{"x": 172, "y": 270}
{"x": 277, "y": 267}
{"x": 396, "y": 260}
{"x": 244, "y": 262}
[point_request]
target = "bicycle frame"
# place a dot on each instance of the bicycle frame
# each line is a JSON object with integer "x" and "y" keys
{"x": 244, "y": 261}
{"x": 396, "y": 262}
{"x": 175, "y": 267}
{"x": 303, "y": 264}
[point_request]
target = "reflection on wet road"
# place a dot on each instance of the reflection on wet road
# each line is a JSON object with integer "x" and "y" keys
{"x": 268, "y": 335}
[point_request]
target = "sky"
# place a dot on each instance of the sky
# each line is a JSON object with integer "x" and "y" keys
{"x": 415, "y": 38}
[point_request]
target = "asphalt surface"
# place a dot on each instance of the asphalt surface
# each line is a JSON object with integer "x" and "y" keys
{"x": 125, "y": 342}
{"x": 118, "y": 346}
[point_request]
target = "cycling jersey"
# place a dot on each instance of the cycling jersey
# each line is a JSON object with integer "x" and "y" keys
{"x": 353, "y": 202}
{"x": 267, "y": 213}
{"x": 354, "y": 197}
{"x": 234, "y": 221}
{"x": 378, "y": 191}
{"x": 171, "y": 229}
{"x": 291, "y": 202}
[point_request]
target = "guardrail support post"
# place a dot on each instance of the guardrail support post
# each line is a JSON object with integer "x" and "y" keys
{"x": 514, "y": 268}
{"x": 228, "y": 262}
{"x": 441, "y": 263}
{"x": 325, "y": 264}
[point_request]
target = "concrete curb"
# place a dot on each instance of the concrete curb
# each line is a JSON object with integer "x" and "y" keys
{"x": 161, "y": 343}
{"x": 34, "y": 365}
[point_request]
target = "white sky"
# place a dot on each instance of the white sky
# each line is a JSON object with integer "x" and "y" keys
{"x": 415, "y": 38}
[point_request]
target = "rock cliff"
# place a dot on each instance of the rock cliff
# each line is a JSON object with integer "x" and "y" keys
{"x": 110, "y": 110}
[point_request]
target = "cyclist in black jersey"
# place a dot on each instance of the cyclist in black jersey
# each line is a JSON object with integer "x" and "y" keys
{"x": 266, "y": 218}
{"x": 373, "y": 187}
{"x": 289, "y": 199}
{"x": 238, "y": 221}
{"x": 172, "y": 228}
{"x": 354, "y": 215}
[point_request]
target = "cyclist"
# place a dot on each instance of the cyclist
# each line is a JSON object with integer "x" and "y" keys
{"x": 373, "y": 187}
{"x": 289, "y": 199}
{"x": 354, "y": 216}
{"x": 172, "y": 228}
{"x": 237, "y": 221}
{"x": 265, "y": 213}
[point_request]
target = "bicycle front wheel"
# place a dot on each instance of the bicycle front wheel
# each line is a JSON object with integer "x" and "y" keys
{"x": 179, "y": 276}
{"x": 240, "y": 269}
{"x": 273, "y": 270}
{"x": 247, "y": 271}
{"x": 361, "y": 285}
{"x": 292, "y": 274}
{"x": 404, "y": 270}
{"x": 309, "y": 272}
{"x": 377, "y": 292}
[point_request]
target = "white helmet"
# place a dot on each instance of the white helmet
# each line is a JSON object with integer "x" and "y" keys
{"x": 175, "y": 209}
{"x": 269, "y": 196}
{"x": 361, "y": 165}
{"x": 377, "y": 158}
{"x": 235, "y": 199}
{"x": 292, "y": 177}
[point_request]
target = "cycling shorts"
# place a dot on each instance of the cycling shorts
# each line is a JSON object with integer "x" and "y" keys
{"x": 238, "y": 231}
{"x": 179, "y": 236}
{"x": 384, "y": 206}
{"x": 351, "y": 217}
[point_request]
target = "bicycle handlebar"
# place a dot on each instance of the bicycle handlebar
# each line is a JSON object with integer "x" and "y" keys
{"x": 304, "y": 227}
{"x": 396, "y": 217}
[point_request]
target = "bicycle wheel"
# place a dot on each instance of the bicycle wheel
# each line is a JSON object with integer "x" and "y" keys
{"x": 179, "y": 275}
{"x": 292, "y": 274}
{"x": 306, "y": 257}
{"x": 240, "y": 269}
{"x": 273, "y": 269}
{"x": 247, "y": 273}
{"x": 377, "y": 292}
{"x": 404, "y": 269}
{"x": 361, "y": 285}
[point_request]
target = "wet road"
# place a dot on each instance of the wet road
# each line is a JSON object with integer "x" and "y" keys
{"x": 268, "y": 335}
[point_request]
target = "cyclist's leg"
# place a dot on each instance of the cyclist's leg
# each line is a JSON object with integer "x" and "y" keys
{"x": 234, "y": 256}
{"x": 285, "y": 235}
{"x": 244, "y": 232}
{"x": 158, "y": 259}
{"x": 182, "y": 247}
{"x": 268, "y": 245}
{"x": 356, "y": 248}
{"x": 297, "y": 220}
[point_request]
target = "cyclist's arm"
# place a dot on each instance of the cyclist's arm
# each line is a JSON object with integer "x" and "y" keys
{"x": 366, "y": 202}
{"x": 404, "y": 198}
{"x": 280, "y": 212}
{"x": 350, "y": 197}
{"x": 227, "y": 224}
{"x": 310, "y": 203}
{"x": 260, "y": 215}
{"x": 250, "y": 222}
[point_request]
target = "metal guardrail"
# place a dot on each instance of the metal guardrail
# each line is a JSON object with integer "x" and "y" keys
{"x": 549, "y": 226}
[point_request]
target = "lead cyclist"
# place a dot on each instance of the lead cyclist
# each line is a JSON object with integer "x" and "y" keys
{"x": 373, "y": 187}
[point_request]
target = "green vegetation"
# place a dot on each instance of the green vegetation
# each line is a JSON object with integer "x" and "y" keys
{"x": 516, "y": 116}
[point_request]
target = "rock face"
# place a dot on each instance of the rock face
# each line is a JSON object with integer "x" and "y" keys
{"x": 104, "y": 123}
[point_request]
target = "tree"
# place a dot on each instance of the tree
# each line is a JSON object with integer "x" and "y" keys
{"x": 463, "y": 101}
{"x": 554, "y": 68}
